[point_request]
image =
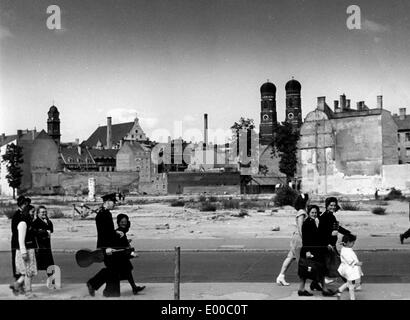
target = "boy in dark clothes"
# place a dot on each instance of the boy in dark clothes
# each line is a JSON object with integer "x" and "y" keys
{"x": 122, "y": 258}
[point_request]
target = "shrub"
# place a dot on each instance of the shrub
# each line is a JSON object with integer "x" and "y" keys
{"x": 394, "y": 194}
{"x": 177, "y": 203}
{"x": 350, "y": 206}
{"x": 285, "y": 196}
{"x": 379, "y": 211}
{"x": 9, "y": 213}
{"x": 56, "y": 213}
{"x": 230, "y": 204}
{"x": 213, "y": 199}
{"x": 207, "y": 206}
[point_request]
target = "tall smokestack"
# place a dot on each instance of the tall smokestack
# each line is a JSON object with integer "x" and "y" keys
{"x": 348, "y": 104}
{"x": 379, "y": 102}
{"x": 109, "y": 133}
{"x": 205, "y": 128}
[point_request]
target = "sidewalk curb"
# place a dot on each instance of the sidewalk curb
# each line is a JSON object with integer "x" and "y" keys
{"x": 233, "y": 250}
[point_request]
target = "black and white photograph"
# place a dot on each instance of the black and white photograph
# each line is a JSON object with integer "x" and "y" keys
{"x": 204, "y": 150}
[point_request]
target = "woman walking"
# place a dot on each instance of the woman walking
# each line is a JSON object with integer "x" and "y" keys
{"x": 25, "y": 256}
{"x": 43, "y": 228}
{"x": 296, "y": 242}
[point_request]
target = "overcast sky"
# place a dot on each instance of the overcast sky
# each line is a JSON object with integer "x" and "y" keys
{"x": 174, "y": 60}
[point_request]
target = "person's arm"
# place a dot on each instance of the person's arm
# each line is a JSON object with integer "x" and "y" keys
{"x": 22, "y": 229}
{"x": 299, "y": 222}
{"x": 343, "y": 230}
{"x": 50, "y": 225}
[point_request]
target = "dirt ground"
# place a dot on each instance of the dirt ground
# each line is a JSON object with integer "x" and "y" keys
{"x": 159, "y": 220}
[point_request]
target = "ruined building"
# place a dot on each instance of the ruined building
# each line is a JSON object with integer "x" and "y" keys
{"x": 349, "y": 150}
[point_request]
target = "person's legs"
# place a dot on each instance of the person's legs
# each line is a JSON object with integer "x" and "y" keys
{"x": 13, "y": 263}
{"x": 99, "y": 279}
{"x": 350, "y": 285}
{"x": 281, "y": 277}
{"x": 112, "y": 287}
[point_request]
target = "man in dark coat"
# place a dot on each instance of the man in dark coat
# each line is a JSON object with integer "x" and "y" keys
{"x": 22, "y": 202}
{"x": 106, "y": 241}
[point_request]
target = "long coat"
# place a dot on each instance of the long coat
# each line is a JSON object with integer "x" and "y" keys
{"x": 122, "y": 261}
{"x": 327, "y": 224}
{"x": 311, "y": 240}
{"x": 44, "y": 255}
{"x": 105, "y": 229}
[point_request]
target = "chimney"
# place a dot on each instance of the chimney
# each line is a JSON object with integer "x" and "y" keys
{"x": 343, "y": 102}
{"x": 77, "y": 141}
{"x": 359, "y": 106}
{"x": 379, "y": 102}
{"x": 205, "y": 128}
{"x": 402, "y": 113}
{"x": 321, "y": 102}
{"x": 19, "y": 133}
{"x": 336, "y": 105}
{"x": 79, "y": 149}
{"x": 109, "y": 133}
{"x": 3, "y": 136}
{"x": 347, "y": 104}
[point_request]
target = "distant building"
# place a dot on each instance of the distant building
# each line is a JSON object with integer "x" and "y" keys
{"x": 403, "y": 135}
{"x": 134, "y": 156}
{"x": 344, "y": 150}
{"x": 112, "y": 136}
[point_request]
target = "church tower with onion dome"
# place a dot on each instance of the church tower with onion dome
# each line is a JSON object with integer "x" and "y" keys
{"x": 268, "y": 119}
{"x": 293, "y": 104}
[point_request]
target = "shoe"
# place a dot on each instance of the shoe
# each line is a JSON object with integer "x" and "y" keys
{"x": 91, "y": 290}
{"x": 17, "y": 288}
{"x": 30, "y": 295}
{"x": 329, "y": 293}
{"x": 280, "y": 280}
{"x": 111, "y": 295}
{"x": 327, "y": 280}
{"x": 401, "y": 238}
{"x": 304, "y": 293}
{"x": 315, "y": 286}
{"x": 137, "y": 289}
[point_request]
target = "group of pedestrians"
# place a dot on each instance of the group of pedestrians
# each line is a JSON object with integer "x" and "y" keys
{"x": 313, "y": 246}
{"x": 116, "y": 249}
{"x": 30, "y": 244}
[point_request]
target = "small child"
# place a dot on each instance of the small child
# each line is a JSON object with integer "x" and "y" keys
{"x": 350, "y": 266}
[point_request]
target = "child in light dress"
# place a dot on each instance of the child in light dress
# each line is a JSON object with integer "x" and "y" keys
{"x": 350, "y": 266}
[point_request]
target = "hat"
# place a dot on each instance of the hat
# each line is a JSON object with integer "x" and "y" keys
{"x": 109, "y": 197}
{"x": 332, "y": 199}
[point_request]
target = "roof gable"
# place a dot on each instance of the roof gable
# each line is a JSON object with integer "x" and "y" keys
{"x": 118, "y": 131}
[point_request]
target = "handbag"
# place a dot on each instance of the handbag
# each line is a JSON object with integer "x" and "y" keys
{"x": 310, "y": 269}
{"x": 332, "y": 263}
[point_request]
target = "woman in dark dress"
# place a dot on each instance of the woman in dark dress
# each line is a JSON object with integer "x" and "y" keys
{"x": 312, "y": 255}
{"x": 122, "y": 258}
{"x": 43, "y": 228}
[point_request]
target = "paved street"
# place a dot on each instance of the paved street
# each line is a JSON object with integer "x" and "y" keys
{"x": 158, "y": 267}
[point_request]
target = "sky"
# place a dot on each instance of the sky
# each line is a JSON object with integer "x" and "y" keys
{"x": 169, "y": 62}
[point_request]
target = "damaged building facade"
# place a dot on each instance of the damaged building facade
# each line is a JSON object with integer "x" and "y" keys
{"x": 350, "y": 151}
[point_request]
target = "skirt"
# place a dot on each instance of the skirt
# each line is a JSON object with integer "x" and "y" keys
{"x": 295, "y": 246}
{"x": 28, "y": 268}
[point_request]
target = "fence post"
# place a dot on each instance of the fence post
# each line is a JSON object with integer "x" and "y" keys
{"x": 177, "y": 277}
